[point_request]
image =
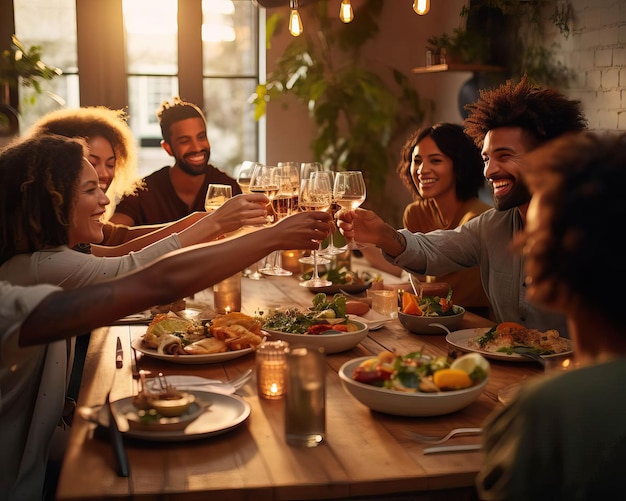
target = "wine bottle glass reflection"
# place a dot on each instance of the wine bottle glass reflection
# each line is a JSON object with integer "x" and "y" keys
{"x": 349, "y": 193}
{"x": 315, "y": 195}
{"x": 216, "y": 195}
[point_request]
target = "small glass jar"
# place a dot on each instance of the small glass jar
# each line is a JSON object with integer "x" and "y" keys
{"x": 271, "y": 364}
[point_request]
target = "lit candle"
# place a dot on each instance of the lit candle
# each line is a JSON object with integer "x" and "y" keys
{"x": 227, "y": 294}
{"x": 270, "y": 366}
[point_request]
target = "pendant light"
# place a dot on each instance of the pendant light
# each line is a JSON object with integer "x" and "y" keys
{"x": 346, "y": 14}
{"x": 295, "y": 23}
{"x": 421, "y": 6}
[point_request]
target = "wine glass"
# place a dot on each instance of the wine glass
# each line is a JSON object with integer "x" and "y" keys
{"x": 330, "y": 249}
{"x": 315, "y": 194}
{"x": 216, "y": 195}
{"x": 244, "y": 175}
{"x": 319, "y": 255}
{"x": 261, "y": 182}
{"x": 307, "y": 168}
{"x": 282, "y": 204}
{"x": 349, "y": 193}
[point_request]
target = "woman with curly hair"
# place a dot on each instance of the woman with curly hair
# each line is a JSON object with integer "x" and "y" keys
{"x": 113, "y": 154}
{"x": 563, "y": 436}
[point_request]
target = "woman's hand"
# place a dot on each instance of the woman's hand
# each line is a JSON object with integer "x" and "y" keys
{"x": 241, "y": 210}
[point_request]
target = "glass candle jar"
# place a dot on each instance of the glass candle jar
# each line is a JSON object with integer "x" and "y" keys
{"x": 271, "y": 363}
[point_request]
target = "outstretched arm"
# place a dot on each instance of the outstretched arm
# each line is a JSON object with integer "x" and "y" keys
{"x": 365, "y": 226}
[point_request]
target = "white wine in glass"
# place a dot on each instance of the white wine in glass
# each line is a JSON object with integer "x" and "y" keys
{"x": 216, "y": 195}
{"x": 349, "y": 193}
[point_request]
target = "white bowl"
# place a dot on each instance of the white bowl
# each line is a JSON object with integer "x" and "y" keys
{"x": 332, "y": 343}
{"x": 421, "y": 325}
{"x": 401, "y": 403}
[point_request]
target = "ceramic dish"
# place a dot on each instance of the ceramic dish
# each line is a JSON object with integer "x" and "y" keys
{"x": 399, "y": 403}
{"x": 337, "y": 288}
{"x": 210, "y": 358}
{"x": 332, "y": 343}
{"x": 460, "y": 339}
{"x": 224, "y": 413}
{"x": 421, "y": 325}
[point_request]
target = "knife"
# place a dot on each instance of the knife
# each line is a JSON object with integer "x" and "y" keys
{"x": 119, "y": 355}
{"x": 452, "y": 448}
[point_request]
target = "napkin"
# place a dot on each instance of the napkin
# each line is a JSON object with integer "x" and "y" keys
{"x": 372, "y": 319}
{"x": 181, "y": 382}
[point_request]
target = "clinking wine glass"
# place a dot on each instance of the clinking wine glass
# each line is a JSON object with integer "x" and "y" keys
{"x": 315, "y": 195}
{"x": 349, "y": 193}
{"x": 319, "y": 256}
{"x": 330, "y": 249}
{"x": 244, "y": 174}
{"x": 282, "y": 204}
{"x": 216, "y": 195}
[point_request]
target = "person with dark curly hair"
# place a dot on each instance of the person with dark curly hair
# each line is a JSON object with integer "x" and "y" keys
{"x": 563, "y": 436}
{"x": 505, "y": 123}
{"x": 113, "y": 154}
{"x": 173, "y": 192}
{"x": 442, "y": 168}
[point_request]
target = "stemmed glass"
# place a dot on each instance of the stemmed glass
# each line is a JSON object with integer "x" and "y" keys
{"x": 330, "y": 249}
{"x": 308, "y": 168}
{"x": 261, "y": 182}
{"x": 282, "y": 203}
{"x": 216, "y": 195}
{"x": 315, "y": 195}
{"x": 244, "y": 175}
{"x": 319, "y": 256}
{"x": 349, "y": 193}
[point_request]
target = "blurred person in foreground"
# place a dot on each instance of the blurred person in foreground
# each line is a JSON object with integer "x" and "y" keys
{"x": 505, "y": 123}
{"x": 173, "y": 192}
{"x": 442, "y": 168}
{"x": 113, "y": 154}
{"x": 564, "y": 436}
{"x": 51, "y": 201}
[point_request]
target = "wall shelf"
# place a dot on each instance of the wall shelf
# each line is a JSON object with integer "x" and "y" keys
{"x": 438, "y": 68}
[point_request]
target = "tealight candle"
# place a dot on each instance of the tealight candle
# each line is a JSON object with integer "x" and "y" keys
{"x": 227, "y": 294}
{"x": 270, "y": 368}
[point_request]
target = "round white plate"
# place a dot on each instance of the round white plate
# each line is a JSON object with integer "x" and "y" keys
{"x": 332, "y": 343}
{"x": 460, "y": 339}
{"x": 225, "y": 413}
{"x": 210, "y": 358}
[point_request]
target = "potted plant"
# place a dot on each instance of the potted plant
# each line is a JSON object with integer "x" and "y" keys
{"x": 356, "y": 112}
{"x": 20, "y": 66}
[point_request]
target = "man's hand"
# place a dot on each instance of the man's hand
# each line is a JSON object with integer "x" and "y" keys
{"x": 365, "y": 226}
{"x": 303, "y": 230}
{"x": 241, "y": 210}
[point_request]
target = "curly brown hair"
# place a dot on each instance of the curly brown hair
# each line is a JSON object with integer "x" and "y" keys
{"x": 38, "y": 182}
{"x": 579, "y": 178}
{"x": 93, "y": 121}
{"x": 544, "y": 113}
{"x": 467, "y": 162}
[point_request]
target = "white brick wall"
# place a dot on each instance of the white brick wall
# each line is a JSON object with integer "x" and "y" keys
{"x": 596, "y": 51}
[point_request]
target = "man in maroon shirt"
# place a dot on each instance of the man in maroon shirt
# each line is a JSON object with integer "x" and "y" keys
{"x": 175, "y": 191}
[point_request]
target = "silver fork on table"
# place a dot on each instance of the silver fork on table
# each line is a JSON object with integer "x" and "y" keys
{"x": 429, "y": 439}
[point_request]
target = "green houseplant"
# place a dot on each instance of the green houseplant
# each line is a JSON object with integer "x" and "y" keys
{"x": 355, "y": 110}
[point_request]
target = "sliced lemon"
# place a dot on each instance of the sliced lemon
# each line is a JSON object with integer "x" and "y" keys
{"x": 451, "y": 379}
{"x": 474, "y": 364}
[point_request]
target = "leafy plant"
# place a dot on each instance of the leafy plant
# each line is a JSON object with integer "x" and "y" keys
{"x": 21, "y": 65}
{"x": 356, "y": 113}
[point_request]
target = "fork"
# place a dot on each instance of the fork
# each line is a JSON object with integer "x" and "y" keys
{"x": 237, "y": 381}
{"x": 429, "y": 439}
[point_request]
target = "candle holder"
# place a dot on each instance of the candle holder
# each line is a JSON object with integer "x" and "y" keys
{"x": 227, "y": 294}
{"x": 271, "y": 364}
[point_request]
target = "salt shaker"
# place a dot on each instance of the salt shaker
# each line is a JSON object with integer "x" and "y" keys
{"x": 271, "y": 364}
{"x": 305, "y": 398}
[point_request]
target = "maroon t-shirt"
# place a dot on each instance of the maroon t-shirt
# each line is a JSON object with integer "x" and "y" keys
{"x": 158, "y": 202}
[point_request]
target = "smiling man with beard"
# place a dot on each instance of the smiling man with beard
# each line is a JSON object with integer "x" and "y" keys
{"x": 175, "y": 191}
{"x": 506, "y": 123}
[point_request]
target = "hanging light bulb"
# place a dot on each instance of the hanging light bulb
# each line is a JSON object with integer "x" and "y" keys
{"x": 421, "y": 6}
{"x": 295, "y": 23}
{"x": 345, "y": 11}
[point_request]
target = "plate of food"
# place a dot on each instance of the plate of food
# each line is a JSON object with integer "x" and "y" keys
{"x": 209, "y": 414}
{"x": 498, "y": 342}
{"x": 325, "y": 325}
{"x": 188, "y": 341}
{"x": 344, "y": 280}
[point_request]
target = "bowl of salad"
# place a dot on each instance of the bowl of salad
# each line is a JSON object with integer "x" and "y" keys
{"x": 418, "y": 313}
{"x": 324, "y": 325}
{"x": 415, "y": 384}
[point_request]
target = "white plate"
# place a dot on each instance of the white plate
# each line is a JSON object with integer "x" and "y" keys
{"x": 460, "y": 339}
{"x": 332, "y": 343}
{"x": 225, "y": 413}
{"x": 209, "y": 358}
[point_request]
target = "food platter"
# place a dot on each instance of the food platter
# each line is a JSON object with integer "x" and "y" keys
{"x": 209, "y": 358}
{"x": 460, "y": 339}
{"x": 224, "y": 413}
{"x": 337, "y": 288}
{"x": 332, "y": 343}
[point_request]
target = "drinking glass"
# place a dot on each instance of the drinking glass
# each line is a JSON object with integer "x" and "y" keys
{"x": 349, "y": 193}
{"x": 216, "y": 195}
{"x": 261, "y": 182}
{"x": 315, "y": 194}
{"x": 282, "y": 205}
{"x": 319, "y": 256}
{"x": 330, "y": 249}
{"x": 244, "y": 175}
{"x": 308, "y": 168}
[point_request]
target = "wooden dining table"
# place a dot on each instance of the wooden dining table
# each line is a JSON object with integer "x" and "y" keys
{"x": 365, "y": 454}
